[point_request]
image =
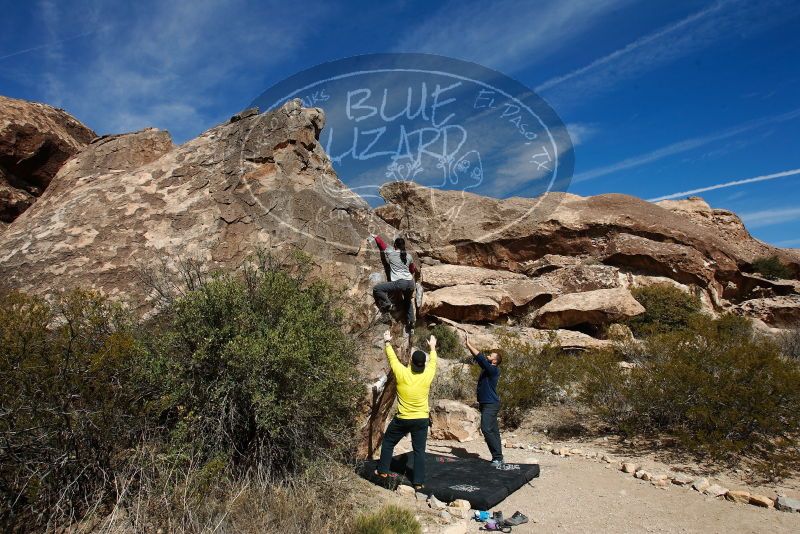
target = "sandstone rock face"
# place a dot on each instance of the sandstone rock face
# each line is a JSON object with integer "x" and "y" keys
{"x": 486, "y": 337}
{"x": 454, "y": 420}
{"x": 780, "y": 312}
{"x": 133, "y": 201}
{"x": 472, "y": 302}
{"x": 598, "y": 307}
{"x": 35, "y": 141}
{"x": 461, "y": 228}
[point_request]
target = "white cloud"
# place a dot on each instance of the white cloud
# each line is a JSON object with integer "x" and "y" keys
{"x": 758, "y": 219}
{"x": 712, "y": 24}
{"x": 167, "y": 64}
{"x": 683, "y": 146}
{"x": 505, "y": 33}
{"x": 580, "y": 132}
{"x": 635, "y": 50}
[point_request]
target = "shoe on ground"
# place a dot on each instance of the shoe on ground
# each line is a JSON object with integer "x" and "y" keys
{"x": 498, "y": 464}
{"x": 385, "y": 318}
{"x": 517, "y": 519}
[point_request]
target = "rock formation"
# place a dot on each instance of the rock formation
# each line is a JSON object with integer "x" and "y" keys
{"x": 129, "y": 202}
{"x": 553, "y": 269}
{"x": 577, "y": 249}
{"x": 35, "y": 141}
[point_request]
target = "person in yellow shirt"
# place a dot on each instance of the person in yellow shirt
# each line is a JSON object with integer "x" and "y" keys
{"x": 413, "y": 386}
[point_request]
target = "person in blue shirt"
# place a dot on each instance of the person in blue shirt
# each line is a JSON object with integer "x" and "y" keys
{"x": 488, "y": 399}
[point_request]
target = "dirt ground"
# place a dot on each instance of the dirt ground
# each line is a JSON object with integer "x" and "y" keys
{"x": 579, "y": 495}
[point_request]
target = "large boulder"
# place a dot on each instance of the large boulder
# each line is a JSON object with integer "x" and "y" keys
{"x": 462, "y": 228}
{"x": 486, "y": 337}
{"x": 453, "y": 420}
{"x": 129, "y": 203}
{"x": 482, "y": 303}
{"x": 780, "y": 312}
{"x": 35, "y": 141}
{"x": 599, "y": 307}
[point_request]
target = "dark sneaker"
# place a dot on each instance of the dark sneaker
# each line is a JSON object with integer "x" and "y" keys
{"x": 517, "y": 519}
{"x": 497, "y": 464}
{"x": 385, "y": 318}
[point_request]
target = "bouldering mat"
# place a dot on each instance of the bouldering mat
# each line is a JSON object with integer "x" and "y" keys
{"x": 450, "y": 478}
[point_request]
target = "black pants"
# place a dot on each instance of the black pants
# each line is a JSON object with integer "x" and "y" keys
{"x": 406, "y": 287}
{"x": 396, "y": 431}
{"x": 491, "y": 430}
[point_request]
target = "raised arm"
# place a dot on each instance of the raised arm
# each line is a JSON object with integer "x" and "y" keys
{"x": 472, "y": 350}
{"x": 380, "y": 242}
{"x": 397, "y": 368}
{"x": 478, "y": 356}
{"x": 430, "y": 366}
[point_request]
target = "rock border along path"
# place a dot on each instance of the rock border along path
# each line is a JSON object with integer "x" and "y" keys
{"x": 578, "y": 496}
{"x": 702, "y": 485}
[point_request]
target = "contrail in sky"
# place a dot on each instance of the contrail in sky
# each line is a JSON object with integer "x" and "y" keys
{"x": 728, "y": 184}
{"x": 42, "y": 47}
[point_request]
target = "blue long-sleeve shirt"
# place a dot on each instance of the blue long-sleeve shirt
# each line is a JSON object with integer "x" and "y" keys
{"x": 487, "y": 382}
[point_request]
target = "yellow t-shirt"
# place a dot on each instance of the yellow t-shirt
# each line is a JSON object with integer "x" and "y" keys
{"x": 412, "y": 388}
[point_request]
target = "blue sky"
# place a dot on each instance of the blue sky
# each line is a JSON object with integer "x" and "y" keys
{"x": 661, "y": 98}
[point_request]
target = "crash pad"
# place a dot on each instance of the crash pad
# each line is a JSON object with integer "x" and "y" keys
{"x": 450, "y": 478}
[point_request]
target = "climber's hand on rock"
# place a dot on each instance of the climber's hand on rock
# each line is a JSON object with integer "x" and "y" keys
{"x": 387, "y": 336}
{"x": 432, "y": 342}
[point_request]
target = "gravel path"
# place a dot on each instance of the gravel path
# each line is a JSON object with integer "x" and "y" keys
{"x": 577, "y": 495}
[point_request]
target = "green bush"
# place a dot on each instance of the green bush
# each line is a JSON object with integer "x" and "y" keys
{"x": 67, "y": 404}
{"x": 789, "y": 342}
{"x": 530, "y": 376}
{"x": 771, "y": 267}
{"x": 457, "y": 383}
{"x": 388, "y": 520}
{"x": 718, "y": 388}
{"x": 449, "y": 345}
{"x": 257, "y": 372}
{"x": 667, "y": 308}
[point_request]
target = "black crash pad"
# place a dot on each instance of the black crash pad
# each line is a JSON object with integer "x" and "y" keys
{"x": 450, "y": 478}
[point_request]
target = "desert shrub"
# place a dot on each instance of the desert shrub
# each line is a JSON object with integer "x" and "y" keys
{"x": 715, "y": 386}
{"x": 771, "y": 267}
{"x": 190, "y": 497}
{"x": 257, "y": 372}
{"x": 68, "y": 405}
{"x": 667, "y": 308}
{"x": 456, "y": 383}
{"x": 530, "y": 376}
{"x": 448, "y": 343}
{"x": 789, "y": 343}
{"x": 388, "y": 520}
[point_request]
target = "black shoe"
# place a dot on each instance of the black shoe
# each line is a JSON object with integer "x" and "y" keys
{"x": 516, "y": 519}
{"x": 385, "y": 318}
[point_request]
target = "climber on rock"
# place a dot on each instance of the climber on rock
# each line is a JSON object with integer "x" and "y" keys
{"x": 400, "y": 278}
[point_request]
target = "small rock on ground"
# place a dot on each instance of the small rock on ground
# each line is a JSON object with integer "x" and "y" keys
{"x": 738, "y": 496}
{"x": 405, "y": 490}
{"x": 682, "y": 480}
{"x": 700, "y": 484}
{"x": 787, "y": 504}
{"x": 762, "y": 501}
{"x": 715, "y": 490}
{"x": 436, "y": 504}
{"x": 628, "y": 467}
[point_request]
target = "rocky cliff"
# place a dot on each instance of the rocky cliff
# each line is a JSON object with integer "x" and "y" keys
{"x": 563, "y": 260}
{"x": 35, "y": 141}
{"x": 559, "y": 265}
